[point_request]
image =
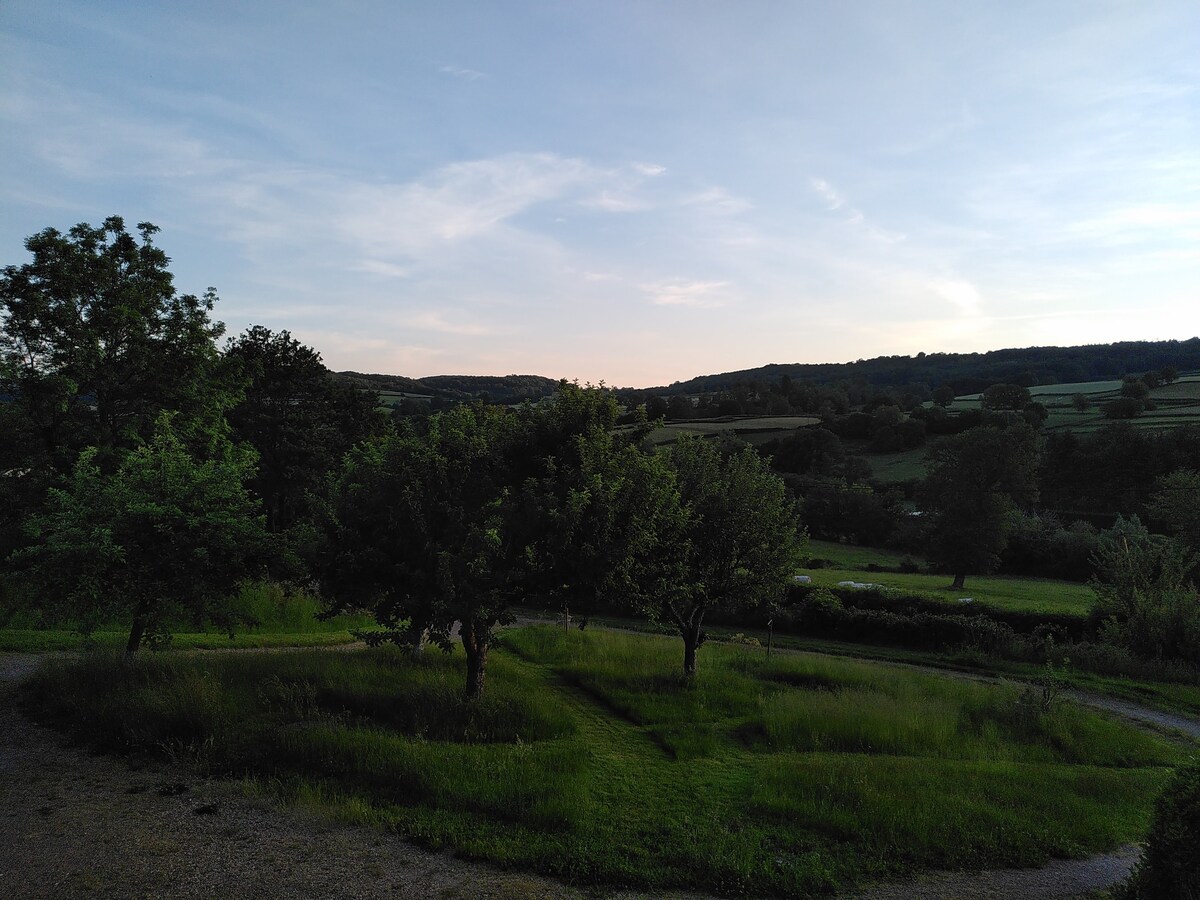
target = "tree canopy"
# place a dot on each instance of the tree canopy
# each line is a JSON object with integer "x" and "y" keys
{"x": 975, "y": 482}
{"x": 298, "y": 419}
{"x": 164, "y": 535}
{"x": 736, "y": 544}
{"x": 96, "y": 342}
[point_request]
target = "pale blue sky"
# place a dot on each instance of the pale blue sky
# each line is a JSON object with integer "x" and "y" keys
{"x": 634, "y": 192}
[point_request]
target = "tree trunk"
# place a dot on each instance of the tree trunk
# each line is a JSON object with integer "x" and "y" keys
{"x": 475, "y": 642}
{"x": 136, "y": 632}
{"x": 960, "y": 579}
{"x": 691, "y": 643}
{"x": 417, "y": 645}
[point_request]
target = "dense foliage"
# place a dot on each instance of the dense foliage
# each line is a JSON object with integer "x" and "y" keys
{"x": 1170, "y": 867}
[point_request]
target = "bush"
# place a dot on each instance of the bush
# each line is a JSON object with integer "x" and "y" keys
{"x": 1170, "y": 868}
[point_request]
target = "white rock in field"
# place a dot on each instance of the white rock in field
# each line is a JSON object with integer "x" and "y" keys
{"x": 966, "y": 599}
{"x": 801, "y": 579}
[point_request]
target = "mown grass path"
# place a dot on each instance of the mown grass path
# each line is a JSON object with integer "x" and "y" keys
{"x": 644, "y": 811}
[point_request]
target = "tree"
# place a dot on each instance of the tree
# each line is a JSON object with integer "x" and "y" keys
{"x": 1170, "y": 866}
{"x": 484, "y": 507}
{"x": 298, "y": 419}
{"x": 975, "y": 482}
{"x": 1145, "y": 601}
{"x": 1135, "y": 389}
{"x": 165, "y": 535}
{"x": 1123, "y": 408}
{"x": 943, "y": 395}
{"x": 96, "y": 343}
{"x": 422, "y": 530}
{"x": 680, "y": 407}
{"x": 591, "y": 500}
{"x": 736, "y": 544}
{"x": 1176, "y": 504}
{"x": 1006, "y": 396}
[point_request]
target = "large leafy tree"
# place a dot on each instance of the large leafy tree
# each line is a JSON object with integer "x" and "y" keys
{"x": 164, "y": 536}
{"x": 449, "y": 521}
{"x": 590, "y": 500}
{"x": 422, "y": 530}
{"x": 735, "y": 543}
{"x": 96, "y": 341}
{"x": 976, "y": 482}
{"x": 299, "y": 420}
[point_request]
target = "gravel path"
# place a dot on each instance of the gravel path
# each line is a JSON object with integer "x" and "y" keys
{"x": 1061, "y": 878}
{"x": 76, "y": 825}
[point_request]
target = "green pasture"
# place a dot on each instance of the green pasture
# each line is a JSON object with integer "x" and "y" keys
{"x": 902, "y": 465}
{"x": 754, "y": 429}
{"x": 267, "y": 616}
{"x": 1035, "y": 595}
{"x": 591, "y": 759}
{"x": 1177, "y": 404}
{"x": 851, "y": 556}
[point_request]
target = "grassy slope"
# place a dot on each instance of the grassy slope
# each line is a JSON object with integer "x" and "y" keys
{"x": 590, "y": 759}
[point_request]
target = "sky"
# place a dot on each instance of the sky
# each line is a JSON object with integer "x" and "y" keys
{"x": 628, "y": 192}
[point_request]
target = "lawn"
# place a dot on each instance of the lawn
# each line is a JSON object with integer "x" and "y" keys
{"x": 591, "y": 759}
{"x": 851, "y": 556}
{"x": 1036, "y": 595}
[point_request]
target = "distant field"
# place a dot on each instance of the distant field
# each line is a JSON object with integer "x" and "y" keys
{"x": 904, "y": 465}
{"x": 849, "y": 556}
{"x": 755, "y": 429}
{"x": 392, "y": 399}
{"x": 1036, "y": 595}
{"x": 1177, "y": 404}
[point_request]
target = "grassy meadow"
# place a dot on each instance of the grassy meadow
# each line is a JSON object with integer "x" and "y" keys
{"x": 752, "y": 429}
{"x": 1015, "y": 593}
{"x": 591, "y": 759}
{"x": 267, "y": 616}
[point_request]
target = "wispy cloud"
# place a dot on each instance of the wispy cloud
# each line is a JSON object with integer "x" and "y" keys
{"x": 826, "y": 190}
{"x": 458, "y": 202}
{"x": 460, "y": 72}
{"x": 650, "y": 170}
{"x": 437, "y": 321}
{"x": 380, "y": 267}
{"x": 852, "y": 215}
{"x": 686, "y": 292}
{"x": 964, "y": 295}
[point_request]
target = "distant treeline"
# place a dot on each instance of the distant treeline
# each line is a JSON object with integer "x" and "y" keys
{"x": 504, "y": 389}
{"x": 966, "y": 373}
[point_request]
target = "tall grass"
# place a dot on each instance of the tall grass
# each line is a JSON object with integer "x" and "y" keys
{"x": 590, "y": 758}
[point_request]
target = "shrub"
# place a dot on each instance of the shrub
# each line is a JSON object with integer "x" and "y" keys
{"x": 1170, "y": 868}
